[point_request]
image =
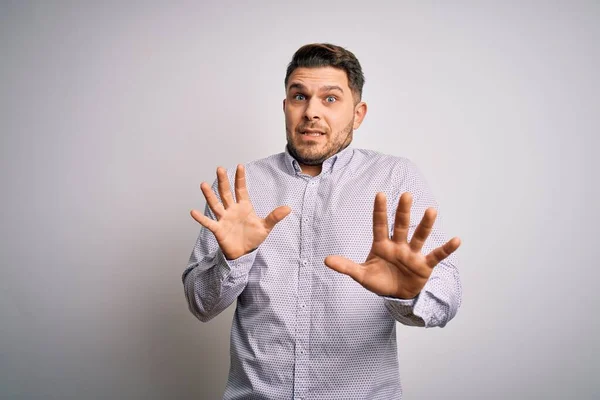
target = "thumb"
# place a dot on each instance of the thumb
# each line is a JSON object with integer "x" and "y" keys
{"x": 345, "y": 266}
{"x": 277, "y": 215}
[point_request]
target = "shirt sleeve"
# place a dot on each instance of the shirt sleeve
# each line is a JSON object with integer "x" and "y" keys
{"x": 440, "y": 298}
{"x": 211, "y": 282}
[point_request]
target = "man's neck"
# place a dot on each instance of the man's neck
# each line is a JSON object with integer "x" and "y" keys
{"x": 312, "y": 170}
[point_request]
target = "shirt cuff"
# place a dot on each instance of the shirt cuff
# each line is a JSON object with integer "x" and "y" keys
{"x": 403, "y": 302}
{"x": 235, "y": 268}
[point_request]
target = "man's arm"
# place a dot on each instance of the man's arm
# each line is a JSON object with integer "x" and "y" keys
{"x": 211, "y": 282}
{"x": 411, "y": 265}
{"x": 440, "y": 298}
{"x": 231, "y": 233}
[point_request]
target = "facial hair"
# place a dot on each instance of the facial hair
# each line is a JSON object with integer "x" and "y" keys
{"x": 341, "y": 140}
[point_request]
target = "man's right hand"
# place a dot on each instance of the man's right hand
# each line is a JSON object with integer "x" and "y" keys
{"x": 238, "y": 229}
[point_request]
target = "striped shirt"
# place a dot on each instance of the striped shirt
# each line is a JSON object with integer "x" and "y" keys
{"x": 300, "y": 329}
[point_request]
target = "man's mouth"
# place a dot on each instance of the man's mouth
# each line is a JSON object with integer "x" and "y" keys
{"x": 309, "y": 132}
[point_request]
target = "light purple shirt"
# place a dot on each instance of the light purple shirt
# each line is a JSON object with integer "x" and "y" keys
{"x": 302, "y": 330}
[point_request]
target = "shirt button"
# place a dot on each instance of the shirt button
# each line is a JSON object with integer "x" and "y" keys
{"x": 304, "y": 262}
{"x": 306, "y": 219}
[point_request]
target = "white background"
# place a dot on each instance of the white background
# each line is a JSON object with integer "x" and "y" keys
{"x": 112, "y": 114}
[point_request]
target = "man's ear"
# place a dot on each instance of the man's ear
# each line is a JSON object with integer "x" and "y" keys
{"x": 283, "y": 105}
{"x": 360, "y": 111}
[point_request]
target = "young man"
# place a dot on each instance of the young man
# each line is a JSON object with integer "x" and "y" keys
{"x": 320, "y": 266}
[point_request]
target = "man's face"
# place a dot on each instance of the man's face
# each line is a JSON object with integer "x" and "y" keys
{"x": 320, "y": 113}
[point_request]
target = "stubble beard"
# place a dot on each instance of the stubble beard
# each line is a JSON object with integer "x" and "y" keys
{"x": 308, "y": 156}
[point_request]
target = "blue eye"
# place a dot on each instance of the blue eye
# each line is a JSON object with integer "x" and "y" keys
{"x": 331, "y": 99}
{"x": 298, "y": 96}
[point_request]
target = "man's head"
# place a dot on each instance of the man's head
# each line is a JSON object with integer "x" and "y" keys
{"x": 323, "y": 87}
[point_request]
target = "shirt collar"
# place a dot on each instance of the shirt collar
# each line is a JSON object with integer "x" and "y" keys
{"x": 333, "y": 163}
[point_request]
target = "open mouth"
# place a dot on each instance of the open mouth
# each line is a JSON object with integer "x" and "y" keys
{"x": 312, "y": 133}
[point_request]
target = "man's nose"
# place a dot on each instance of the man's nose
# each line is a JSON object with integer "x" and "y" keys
{"x": 313, "y": 109}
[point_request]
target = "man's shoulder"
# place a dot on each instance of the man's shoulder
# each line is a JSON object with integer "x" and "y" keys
{"x": 400, "y": 171}
{"x": 378, "y": 158}
{"x": 269, "y": 161}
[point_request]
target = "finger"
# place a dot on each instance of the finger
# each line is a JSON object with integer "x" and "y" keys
{"x": 203, "y": 220}
{"x": 402, "y": 221}
{"x": 224, "y": 188}
{"x": 276, "y": 215}
{"x": 442, "y": 252}
{"x": 423, "y": 229}
{"x": 380, "y": 223}
{"x": 211, "y": 200}
{"x": 241, "y": 192}
{"x": 346, "y": 267}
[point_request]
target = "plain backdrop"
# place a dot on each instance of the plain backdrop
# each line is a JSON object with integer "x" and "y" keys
{"x": 112, "y": 113}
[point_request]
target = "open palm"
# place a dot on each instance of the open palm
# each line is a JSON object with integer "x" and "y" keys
{"x": 238, "y": 229}
{"x": 394, "y": 266}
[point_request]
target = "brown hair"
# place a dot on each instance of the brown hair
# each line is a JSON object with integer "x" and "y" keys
{"x": 329, "y": 55}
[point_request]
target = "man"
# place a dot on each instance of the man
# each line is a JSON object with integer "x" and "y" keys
{"x": 320, "y": 266}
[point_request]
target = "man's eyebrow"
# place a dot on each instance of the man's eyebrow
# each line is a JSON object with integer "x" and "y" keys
{"x": 330, "y": 88}
{"x": 327, "y": 88}
{"x": 296, "y": 85}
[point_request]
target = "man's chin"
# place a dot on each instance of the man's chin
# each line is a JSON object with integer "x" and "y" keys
{"x": 312, "y": 159}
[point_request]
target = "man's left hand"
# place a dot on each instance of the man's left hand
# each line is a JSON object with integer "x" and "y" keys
{"x": 396, "y": 267}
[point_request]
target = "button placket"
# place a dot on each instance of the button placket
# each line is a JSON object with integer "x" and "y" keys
{"x": 304, "y": 289}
